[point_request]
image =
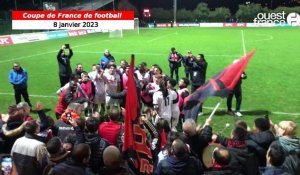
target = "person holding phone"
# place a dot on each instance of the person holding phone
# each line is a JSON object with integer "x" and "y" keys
{"x": 64, "y": 66}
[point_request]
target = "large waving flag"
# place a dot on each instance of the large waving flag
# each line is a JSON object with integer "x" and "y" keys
{"x": 220, "y": 85}
{"x": 135, "y": 148}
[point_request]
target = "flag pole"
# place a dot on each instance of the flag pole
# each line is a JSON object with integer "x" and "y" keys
{"x": 215, "y": 109}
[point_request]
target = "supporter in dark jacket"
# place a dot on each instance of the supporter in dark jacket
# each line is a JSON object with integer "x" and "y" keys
{"x": 260, "y": 140}
{"x": 56, "y": 154}
{"x": 77, "y": 165}
{"x": 242, "y": 160}
{"x": 12, "y": 129}
{"x": 188, "y": 65}
{"x": 197, "y": 140}
{"x": 64, "y": 65}
{"x": 286, "y": 132}
{"x": 175, "y": 59}
{"x": 199, "y": 72}
{"x": 275, "y": 159}
{"x": 113, "y": 163}
{"x": 95, "y": 142}
{"x": 179, "y": 162}
{"x": 221, "y": 158}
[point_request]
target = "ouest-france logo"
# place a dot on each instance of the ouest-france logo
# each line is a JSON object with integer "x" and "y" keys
{"x": 292, "y": 19}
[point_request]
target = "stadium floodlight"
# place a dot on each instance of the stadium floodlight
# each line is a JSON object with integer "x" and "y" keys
{"x": 50, "y": 6}
{"x": 146, "y": 13}
{"x": 175, "y": 10}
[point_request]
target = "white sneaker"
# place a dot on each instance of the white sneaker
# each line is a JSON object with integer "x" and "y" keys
{"x": 200, "y": 114}
{"x": 238, "y": 114}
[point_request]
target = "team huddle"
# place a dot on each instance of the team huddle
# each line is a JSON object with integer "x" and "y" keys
{"x": 92, "y": 144}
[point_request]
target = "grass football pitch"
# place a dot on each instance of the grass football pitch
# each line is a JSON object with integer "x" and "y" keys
{"x": 272, "y": 86}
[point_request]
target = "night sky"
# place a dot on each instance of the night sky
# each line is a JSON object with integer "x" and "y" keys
{"x": 191, "y": 4}
{"x": 166, "y": 4}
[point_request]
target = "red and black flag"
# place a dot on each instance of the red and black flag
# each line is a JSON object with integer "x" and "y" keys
{"x": 135, "y": 147}
{"x": 220, "y": 85}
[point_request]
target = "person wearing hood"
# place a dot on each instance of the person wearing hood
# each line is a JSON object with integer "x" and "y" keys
{"x": 96, "y": 143}
{"x": 56, "y": 154}
{"x": 12, "y": 128}
{"x": 286, "y": 132}
{"x": 18, "y": 78}
{"x": 179, "y": 161}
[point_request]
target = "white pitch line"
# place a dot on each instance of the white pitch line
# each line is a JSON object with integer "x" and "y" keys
{"x": 44, "y": 53}
{"x": 243, "y": 42}
{"x": 32, "y": 95}
{"x": 163, "y": 36}
{"x": 206, "y": 107}
{"x": 268, "y": 37}
{"x": 158, "y": 54}
{"x": 279, "y": 113}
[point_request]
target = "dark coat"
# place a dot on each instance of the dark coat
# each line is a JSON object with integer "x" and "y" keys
{"x": 199, "y": 72}
{"x": 242, "y": 160}
{"x": 259, "y": 143}
{"x": 64, "y": 63}
{"x": 220, "y": 171}
{"x": 69, "y": 168}
{"x": 175, "y": 63}
{"x": 188, "y": 63}
{"x": 10, "y": 133}
{"x": 97, "y": 145}
{"x": 291, "y": 147}
{"x": 274, "y": 171}
{"x": 173, "y": 166}
{"x": 199, "y": 141}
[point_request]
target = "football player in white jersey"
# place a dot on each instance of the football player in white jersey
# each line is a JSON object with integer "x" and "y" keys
{"x": 163, "y": 103}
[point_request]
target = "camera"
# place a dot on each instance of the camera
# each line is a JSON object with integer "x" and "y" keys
{"x": 67, "y": 46}
{"x": 69, "y": 116}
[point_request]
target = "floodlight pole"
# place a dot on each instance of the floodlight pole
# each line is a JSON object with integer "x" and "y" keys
{"x": 16, "y": 6}
{"x": 175, "y": 10}
{"x": 92, "y": 5}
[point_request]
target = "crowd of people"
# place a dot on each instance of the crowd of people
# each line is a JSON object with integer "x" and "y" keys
{"x": 83, "y": 141}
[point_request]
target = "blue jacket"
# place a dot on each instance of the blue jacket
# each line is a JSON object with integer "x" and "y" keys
{"x": 18, "y": 77}
{"x": 105, "y": 59}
